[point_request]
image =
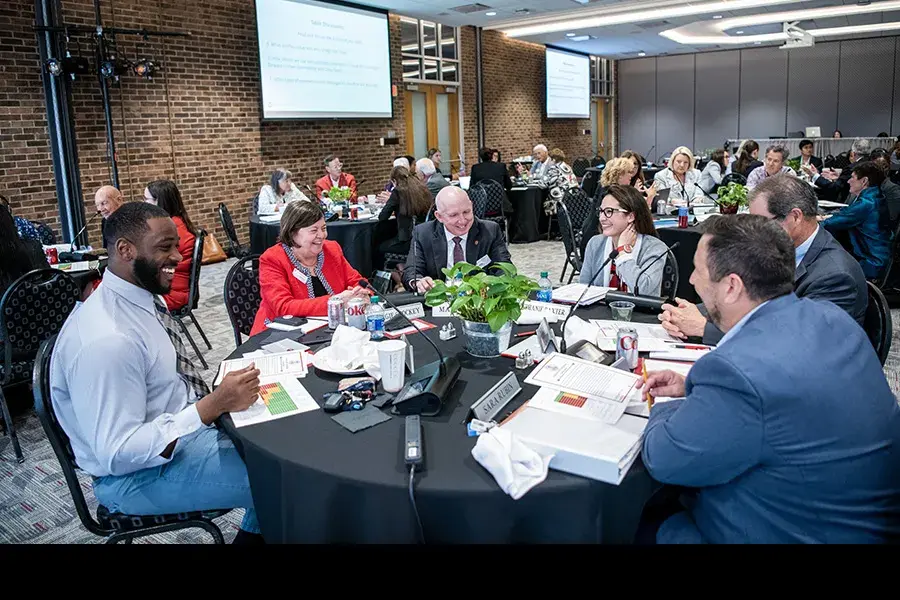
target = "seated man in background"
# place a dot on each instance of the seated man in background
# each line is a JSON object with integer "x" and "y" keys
{"x": 776, "y": 440}
{"x": 455, "y": 235}
{"x": 824, "y": 270}
{"x": 835, "y": 186}
{"x": 107, "y": 200}
{"x": 806, "y": 156}
{"x": 428, "y": 174}
{"x": 335, "y": 177}
{"x": 133, "y": 405}
{"x": 866, "y": 219}
{"x": 776, "y": 156}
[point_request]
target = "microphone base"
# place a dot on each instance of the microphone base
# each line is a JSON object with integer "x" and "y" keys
{"x": 427, "y": 390}
{"x": 651, "y": 304}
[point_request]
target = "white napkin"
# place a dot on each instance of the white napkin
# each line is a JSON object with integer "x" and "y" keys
{"x": 578, "y": 329}
{"x": 352, "y": 349}
{"x": 516, "y": 467}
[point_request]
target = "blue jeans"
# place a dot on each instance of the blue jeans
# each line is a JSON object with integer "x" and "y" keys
{"x": 205, "y": 473}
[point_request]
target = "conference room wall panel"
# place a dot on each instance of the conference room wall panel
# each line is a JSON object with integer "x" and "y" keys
{"x": 812, "y": 98}
{"x": 865, "y": 97}
{"x": 763, "y": 99}
{"x": 674, "y": 103}
{"x": 718, "y": 85}
{"x": 637, "y": 99}
{"x": 851, "y": 85}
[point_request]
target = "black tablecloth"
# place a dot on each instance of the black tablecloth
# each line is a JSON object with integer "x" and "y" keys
{"x": 315, "y": 482}
{"x": 684, "y": 254}
{"x": 358, "y": 239}
{"x": 528, "y": 219}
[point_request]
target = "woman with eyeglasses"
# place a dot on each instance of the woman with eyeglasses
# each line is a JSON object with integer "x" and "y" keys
{"x": 627, "y": 226}
{"x": 298, "y": 275}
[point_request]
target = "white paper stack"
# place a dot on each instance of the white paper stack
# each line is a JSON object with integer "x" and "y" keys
{"x": 651, "y": 337}
{"x": 569, "y": 294}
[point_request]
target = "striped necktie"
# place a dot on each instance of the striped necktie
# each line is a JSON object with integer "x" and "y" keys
{"x": 183, "y": 364}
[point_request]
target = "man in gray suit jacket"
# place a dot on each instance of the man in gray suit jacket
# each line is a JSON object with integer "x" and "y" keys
{"x": 824, "y": 270}
{"x": 454, "y": 236}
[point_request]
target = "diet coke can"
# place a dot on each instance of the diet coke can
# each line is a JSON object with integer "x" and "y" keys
{"x": 627, "y": 346}
{"x": 356, "y": 313}
{"x": 335, "y": 312}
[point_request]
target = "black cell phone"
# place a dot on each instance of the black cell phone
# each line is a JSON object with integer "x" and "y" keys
{"x": 588, "y": 351}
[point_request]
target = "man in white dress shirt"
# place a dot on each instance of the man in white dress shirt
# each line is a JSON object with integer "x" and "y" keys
{"x": 135, "y": 409}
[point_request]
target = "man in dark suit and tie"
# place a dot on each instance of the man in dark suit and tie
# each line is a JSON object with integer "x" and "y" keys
{"x": 806, "y": 156}
{"x": 788, "y": 431}
{"x": 454, "y": 236}
{"x": 824, "y": 270}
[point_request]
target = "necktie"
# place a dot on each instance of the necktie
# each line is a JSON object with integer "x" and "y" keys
{"x": 458, "y": 254}
{"x": 183, "y": 364}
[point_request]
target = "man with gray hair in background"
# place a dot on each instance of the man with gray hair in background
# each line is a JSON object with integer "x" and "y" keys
{"x": 824, "y": 270}
{"x": 837, "y": 187}
{"x": 541, "y": 158}
{"x": 430, "y": 176}
{"x": 774, "y": 164}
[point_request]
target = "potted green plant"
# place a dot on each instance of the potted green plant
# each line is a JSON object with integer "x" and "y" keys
{"x": 486, "y": 304}
{"x": 731, "y": 198}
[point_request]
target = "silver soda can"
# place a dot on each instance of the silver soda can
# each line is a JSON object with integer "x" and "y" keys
{"x": 356, "y": 313}
{"x": 627, "y": 346}
{"x": 335, "y": 312}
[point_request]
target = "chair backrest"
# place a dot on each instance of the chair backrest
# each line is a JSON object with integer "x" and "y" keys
{"x": 242, "y": 295}
{"x": 196, "y": 263}
{"x": 580, "y": 166}
{"x": 578, "y": 203}
{"x": 734, "y": 178}
{"x": 34, "y": 308}
{"x": 45, "y": 233}
{"x": 669, "y": 288}
{"x": 254, "y": 204}
{"x": 59, "y": 441}
{"x": 230, "y": 232}
{"x": 841, "y": 160}
{"x": 489, "y": 195}
{"x": 598, "y": 161}
{"x": 568, "y": 234}
{"x": 877, "y": 322}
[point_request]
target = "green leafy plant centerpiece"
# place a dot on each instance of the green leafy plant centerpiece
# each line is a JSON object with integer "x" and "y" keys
{"x": 732, "y": 197}
{"x": 339, "y": 194}
{"x": 794, "y": 163}
{"x": 486, "y": 303}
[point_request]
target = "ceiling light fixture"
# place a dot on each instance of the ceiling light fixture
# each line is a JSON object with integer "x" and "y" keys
{"x": 651, "y": 11}
{"x": 491, "y": 14}
{"x": 570, "y": 35}
{"x": 708, "y": 32}
{"x": 717, "y": 16}
{"x": 642, "y": 54}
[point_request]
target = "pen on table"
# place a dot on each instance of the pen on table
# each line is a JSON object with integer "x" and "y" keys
{"x": 525, "y": 333}
{"x": 646, "y": 391}
{"x": 689, "y": 346}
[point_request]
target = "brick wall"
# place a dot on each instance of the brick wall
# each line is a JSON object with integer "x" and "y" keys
{"x": 197, "y": 122}
{"x": 515, "y": 105}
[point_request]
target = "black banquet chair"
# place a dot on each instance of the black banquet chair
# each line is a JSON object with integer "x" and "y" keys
{"x": 242, "y": 296}
{"x": 115, "y": 527}
{"x": 235, "y": 248}
{"x": 33, "y": 308}
{"x": 877, "y": 322}
{"x": 187, "y": 311}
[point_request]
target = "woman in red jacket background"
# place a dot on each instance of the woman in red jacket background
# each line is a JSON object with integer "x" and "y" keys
{"x": 300, "y": 273}
{"x": 165, "y": 194}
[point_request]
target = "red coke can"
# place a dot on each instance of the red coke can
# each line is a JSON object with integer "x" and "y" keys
{"x": 354, "y": 213}
{"x": 52, "y": 255}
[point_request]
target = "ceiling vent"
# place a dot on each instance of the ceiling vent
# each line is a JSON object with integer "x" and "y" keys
{"x": 471, "y": 8}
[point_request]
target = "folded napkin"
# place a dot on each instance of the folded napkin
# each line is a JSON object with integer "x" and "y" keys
{"x": 352, "y": 349}
{"x": 516, "y": 467}
{"x": 578, "y": 329}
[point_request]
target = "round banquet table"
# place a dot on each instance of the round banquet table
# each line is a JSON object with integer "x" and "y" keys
{"x": 358, "y": 239}
{"x": 528, "y": 218}
{"x": 315, "y": 482}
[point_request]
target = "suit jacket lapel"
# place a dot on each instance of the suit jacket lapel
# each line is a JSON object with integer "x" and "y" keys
{"x": 811, "y": 255}
{"x": 439, "y": 248}
{"x": 472, "y": 243}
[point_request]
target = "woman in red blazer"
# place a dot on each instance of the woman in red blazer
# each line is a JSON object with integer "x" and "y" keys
{"x": 299, "y": 274}
{"x": 165, "y": 194}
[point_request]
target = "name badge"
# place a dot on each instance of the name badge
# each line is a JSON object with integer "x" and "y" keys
{"x": 412, "y": 311}
{"x": 495, "y": 399}
{"x": 442, "y": 310}
{"x": 484, "y": 261}
{"x": 300, "y": 276}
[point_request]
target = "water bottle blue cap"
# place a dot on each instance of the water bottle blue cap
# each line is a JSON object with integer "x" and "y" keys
{"x": 544, "y": 273}
{"x": 374, "y": 299}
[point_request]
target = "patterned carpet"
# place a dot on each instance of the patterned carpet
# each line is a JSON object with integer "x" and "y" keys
{"x": 35, "y": 504}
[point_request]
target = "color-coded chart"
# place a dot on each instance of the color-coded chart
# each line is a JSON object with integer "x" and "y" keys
{"x": 570, "y": 399}
{"x": 277, "y": 399}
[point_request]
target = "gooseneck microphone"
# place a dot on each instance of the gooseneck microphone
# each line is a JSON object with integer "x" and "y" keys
{"x": 82, "y": 230}
{"x": 612, "y": 256}
{"x": 705, "y": 193}
{"x": 650, "y": 264}
{"x": 430, "y": 399}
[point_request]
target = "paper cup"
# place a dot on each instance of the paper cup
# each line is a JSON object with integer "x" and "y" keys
{"x": 392, "y": 360}
{"x": 371, "y": 198}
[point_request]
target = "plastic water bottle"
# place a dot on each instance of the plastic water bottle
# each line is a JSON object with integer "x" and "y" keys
{"x": 545, "y": 293}
{"x": 375, "y": 319}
